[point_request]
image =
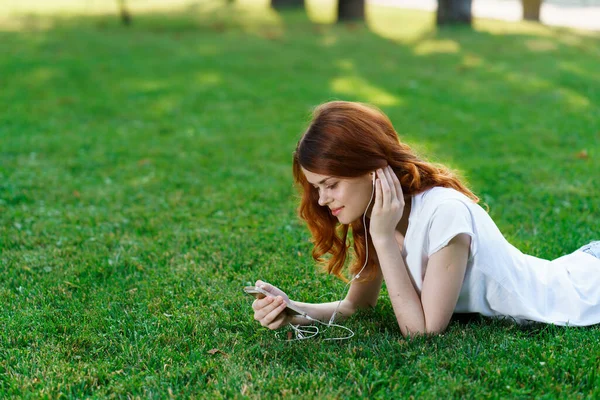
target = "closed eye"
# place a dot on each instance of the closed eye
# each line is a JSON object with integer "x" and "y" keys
{"x": 332, "y": 186}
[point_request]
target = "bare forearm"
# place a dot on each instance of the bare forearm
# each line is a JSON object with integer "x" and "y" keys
{"x": 405, "y": 300}
{"x": 323, "y": 311}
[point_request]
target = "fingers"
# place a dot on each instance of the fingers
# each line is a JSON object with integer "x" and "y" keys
{"x": 397, "y": 185}
{"x": 382, "y": 192}
{"x": 378, "y": 204}
{"x": 268, "y": 311}
{"x": 278, "y": 322}
{"x": 389, "y": 173}
{"x": 260, "y": 303}
{"x": 396, "y": 192}
{"x": 263, "y": 285}
{"x": 267, "y": 287}
{"x": 386, "y": 188}
{"x": 276, "y": 318}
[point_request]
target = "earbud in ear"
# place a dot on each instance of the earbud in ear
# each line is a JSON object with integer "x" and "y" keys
{"x": 373, "y": 175}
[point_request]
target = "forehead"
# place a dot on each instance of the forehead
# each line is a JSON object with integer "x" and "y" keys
{"x": 313, "y": 178}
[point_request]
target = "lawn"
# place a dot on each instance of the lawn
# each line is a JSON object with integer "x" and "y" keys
{"x": 145, "y": 178}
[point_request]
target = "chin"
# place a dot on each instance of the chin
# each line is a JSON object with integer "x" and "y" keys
{"x": 346, "y": 220}
{"x": 341, "y": 220}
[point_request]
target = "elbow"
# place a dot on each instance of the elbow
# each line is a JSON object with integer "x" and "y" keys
{"x": 426, "y": 330}
{"x": 435, "y": 328}
{"x": 347, "y": 308}
{"x": 434, "y": 331}
{"x": 355, "y": 306}
{"x": 370, "y": 304}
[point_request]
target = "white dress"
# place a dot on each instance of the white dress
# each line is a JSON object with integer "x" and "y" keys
{"x": 500, "y": 280}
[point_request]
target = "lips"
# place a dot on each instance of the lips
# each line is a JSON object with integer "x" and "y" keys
{"x": 336, "y": 211}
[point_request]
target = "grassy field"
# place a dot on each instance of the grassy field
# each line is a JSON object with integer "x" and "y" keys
{"x": 145, "y": 178}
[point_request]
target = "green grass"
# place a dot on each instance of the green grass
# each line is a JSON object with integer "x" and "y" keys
{"x": 145, "y": 178}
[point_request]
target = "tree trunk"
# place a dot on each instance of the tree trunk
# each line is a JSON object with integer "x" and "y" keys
{"x": 351, "y": 10}
{"x": 531, "y": 9}
{"x": 125, "y": 16}
{"x": 454, "y": 12}
{"x": 281, "y": 4}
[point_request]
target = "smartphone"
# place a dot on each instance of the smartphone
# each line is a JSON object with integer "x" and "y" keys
{"x": 260, "y": 294}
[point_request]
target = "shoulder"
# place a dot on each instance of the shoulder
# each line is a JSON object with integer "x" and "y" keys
{"x": 449, "y": 215}
{"x": 443, "y": 209}
{"x": 446, "y": 198}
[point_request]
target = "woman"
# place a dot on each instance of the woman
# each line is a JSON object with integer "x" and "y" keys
{"x": 438, "y": 251}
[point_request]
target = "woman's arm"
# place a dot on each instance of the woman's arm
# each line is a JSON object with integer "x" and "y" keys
{"x": 360, "y": 295}
{"x": 431, "y": 312}
{"x": 268, "y": 310}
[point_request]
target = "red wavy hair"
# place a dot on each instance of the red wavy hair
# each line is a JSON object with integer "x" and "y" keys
{"x": 346, "y": 139}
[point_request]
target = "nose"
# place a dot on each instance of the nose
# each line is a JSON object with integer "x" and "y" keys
{"x": 323, "y": 198}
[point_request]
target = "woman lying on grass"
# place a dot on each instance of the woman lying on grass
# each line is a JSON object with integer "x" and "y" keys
{"x": 438, "y": 251}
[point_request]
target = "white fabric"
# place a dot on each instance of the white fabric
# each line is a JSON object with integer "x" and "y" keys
{"x": 500, "y": 280}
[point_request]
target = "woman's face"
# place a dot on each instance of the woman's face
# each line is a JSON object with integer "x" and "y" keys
{"x": 346, "y": 198}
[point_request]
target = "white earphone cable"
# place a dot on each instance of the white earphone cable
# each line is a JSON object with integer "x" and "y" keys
{"x": 310, "y": 331}
{"x": 367, "y": 249}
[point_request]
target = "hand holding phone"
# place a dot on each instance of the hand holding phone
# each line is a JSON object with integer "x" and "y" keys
{"x": 260, "y": 293}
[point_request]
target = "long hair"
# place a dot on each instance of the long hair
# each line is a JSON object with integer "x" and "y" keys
{"x": 346, "y": 139}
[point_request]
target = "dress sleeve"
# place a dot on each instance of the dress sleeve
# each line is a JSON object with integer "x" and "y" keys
{"x": 450, "y": 218}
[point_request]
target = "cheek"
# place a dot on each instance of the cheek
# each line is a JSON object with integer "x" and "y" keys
{"x": 365, "y": 196}
{"x": 342, "y": 196}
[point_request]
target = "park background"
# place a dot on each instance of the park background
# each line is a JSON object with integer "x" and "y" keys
{"x": 145, "y": 178}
